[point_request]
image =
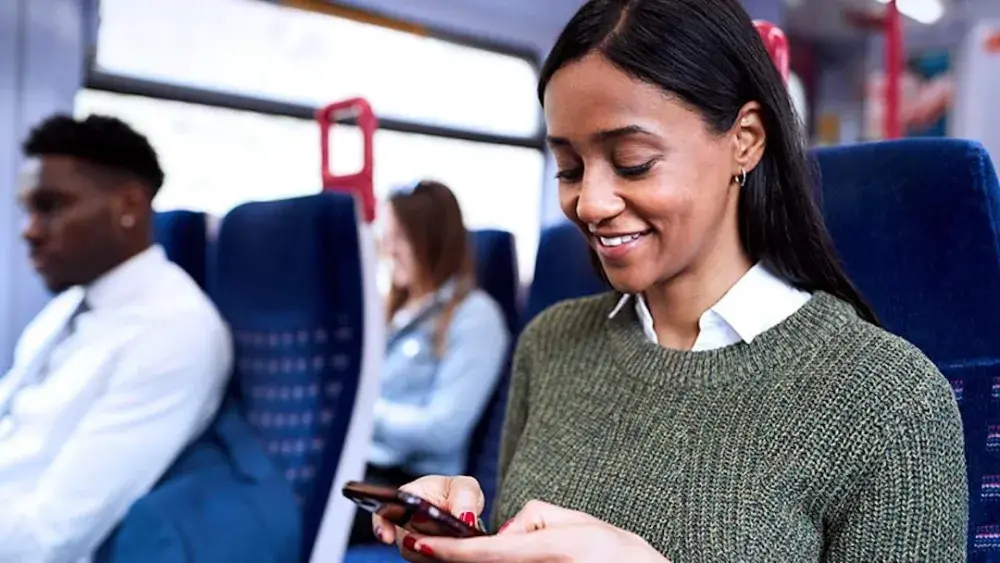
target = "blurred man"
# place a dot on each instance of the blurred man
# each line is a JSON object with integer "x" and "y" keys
{"x": 123, "y": 368}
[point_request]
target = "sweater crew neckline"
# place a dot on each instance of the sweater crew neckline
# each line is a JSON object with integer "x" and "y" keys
{"x": 799, "y": 335}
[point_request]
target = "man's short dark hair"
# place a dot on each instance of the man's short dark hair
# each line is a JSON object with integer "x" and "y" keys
{"x": 100, "y": 140}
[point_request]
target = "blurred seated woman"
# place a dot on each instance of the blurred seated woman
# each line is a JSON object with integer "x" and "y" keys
{"x": 447, "y": 344}
{"x": 734, "y": 399}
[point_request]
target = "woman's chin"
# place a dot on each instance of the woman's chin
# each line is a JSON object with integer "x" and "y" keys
{"x": 627, "y": 282}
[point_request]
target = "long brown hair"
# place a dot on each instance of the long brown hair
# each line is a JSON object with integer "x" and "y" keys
{"x": 431, "y": 220}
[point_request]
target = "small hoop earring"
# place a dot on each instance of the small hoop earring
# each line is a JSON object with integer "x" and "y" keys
{"x": 742, "y": 178}
{"x": 128, "y": 221}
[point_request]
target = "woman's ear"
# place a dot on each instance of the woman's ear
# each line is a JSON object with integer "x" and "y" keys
{"x": 749, "y": 138}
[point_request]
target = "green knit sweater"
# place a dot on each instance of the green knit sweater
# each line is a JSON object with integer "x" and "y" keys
{"x": 825, "y": 439}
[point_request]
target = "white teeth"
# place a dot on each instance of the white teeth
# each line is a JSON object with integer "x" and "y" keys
{"x": 618, "y": 241}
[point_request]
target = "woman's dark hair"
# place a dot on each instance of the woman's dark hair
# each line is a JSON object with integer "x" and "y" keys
{"x": 431, "y": 220}
{"x": 709, "y": 55}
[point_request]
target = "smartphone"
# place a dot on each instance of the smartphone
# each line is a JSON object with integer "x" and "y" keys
{"x": 408, "y": 511}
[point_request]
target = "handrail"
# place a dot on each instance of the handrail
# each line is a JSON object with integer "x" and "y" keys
{"x": 777, "y": 45}
{"x": 361, "y": 183}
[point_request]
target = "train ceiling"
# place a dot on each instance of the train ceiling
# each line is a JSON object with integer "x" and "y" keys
{"x": 536, "y": 23}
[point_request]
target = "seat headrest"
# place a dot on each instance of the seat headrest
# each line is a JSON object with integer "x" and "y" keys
{"x": 286, "y": 259}
{"x": 916, "y": 224}
{"x": 496, "y": 271}
{"x": 183, "y": 236}
{"x": 562, "y": 269}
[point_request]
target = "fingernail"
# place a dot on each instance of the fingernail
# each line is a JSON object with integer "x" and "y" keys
{"x": 469, "y": 518}
{"x": 410, "y": 543}
{"x": 378, "y": 535}
{"x": 426, "y": 551}
{"x": 504, "y": 527}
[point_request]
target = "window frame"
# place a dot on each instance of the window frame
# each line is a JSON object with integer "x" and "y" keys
{"x": 98, "y": 79}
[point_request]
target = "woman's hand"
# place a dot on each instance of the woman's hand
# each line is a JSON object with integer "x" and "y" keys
{"x": 461, "y": 496}
{"x": 542, "y": 532}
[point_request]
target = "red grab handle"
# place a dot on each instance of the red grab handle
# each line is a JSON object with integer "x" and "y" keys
{"x": 777, "y": 45}
{"x": 361, "y": 182}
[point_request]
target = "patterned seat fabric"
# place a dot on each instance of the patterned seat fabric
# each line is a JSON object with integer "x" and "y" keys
{"x": 916, "y": 223}
{"x": 287, "y": 276}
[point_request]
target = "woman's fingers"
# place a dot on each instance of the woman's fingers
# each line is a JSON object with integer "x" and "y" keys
{"x": 537, "y": 515}
{"x": 461, "y": 496}
{"x": 465, "y": 499}
{"x": 514, "y": 548}
{"x": 384, "y": 530}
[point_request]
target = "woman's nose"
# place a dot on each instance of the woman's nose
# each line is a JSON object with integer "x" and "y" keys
{"x": 598, "y": 201}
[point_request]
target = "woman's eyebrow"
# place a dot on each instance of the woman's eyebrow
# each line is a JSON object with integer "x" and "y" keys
{"x": 602, "y": 136}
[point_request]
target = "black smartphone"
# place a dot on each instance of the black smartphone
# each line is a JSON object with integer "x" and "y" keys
{"x": 408, "y": 511}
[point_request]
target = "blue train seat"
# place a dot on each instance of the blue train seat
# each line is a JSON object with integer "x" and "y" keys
{"x": 562, "y": 270}
{"x": 183, "y": 236}
{"x": 222, "y": 500}
{"x": 295, "y": 280}
{"x": 497, "y": 275}
{"x": 916, "y": 223}
{"x": 497, "y": 271}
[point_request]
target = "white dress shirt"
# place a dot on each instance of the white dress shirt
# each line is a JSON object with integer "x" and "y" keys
{"x": 757, "y": 302}
{"x": 138, "y": 375}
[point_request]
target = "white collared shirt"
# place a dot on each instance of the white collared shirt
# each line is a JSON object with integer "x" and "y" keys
{"x": 139, "y": 377}
{"x": 757, "y": 302}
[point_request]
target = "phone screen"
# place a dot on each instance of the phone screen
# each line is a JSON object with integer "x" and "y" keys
{"x": 408, "y": 511}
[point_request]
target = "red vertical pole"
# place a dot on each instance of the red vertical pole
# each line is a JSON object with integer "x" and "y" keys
{"x": 893, "y": 70}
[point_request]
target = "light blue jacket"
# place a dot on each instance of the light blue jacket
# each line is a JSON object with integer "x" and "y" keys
{"x": 429, "y": 406}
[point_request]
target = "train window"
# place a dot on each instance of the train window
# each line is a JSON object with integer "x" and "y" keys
{"x": 217, "y": 158}
{"x": 268, "y": 51}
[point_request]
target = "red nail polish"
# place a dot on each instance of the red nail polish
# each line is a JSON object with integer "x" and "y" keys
{"x": 468, "y": 518}
{"x": 426, "y": 551}
{"x": 410, "y": 543}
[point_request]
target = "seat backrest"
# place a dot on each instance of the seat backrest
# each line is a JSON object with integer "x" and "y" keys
{"x": 497, "y": 271}
{"x": 916, "y": 223}
{"x": 182, "y": 234}
{"x": 294, "y": 280}
{"x": 562, "y": 270}
{"x": 497, "y": 275}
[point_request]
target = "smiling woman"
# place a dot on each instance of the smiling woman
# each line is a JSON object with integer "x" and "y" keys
{"x": 747, "y": 406}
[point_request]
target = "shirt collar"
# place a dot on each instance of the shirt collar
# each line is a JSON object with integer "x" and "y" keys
{"x": 757, "y": 302}
{"x": 441, "y": 295}
{"x": 125, "y": 281}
